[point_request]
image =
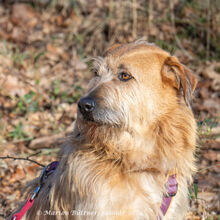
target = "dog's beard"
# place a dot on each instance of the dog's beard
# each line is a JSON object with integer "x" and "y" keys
{"x": 102, "y": 127}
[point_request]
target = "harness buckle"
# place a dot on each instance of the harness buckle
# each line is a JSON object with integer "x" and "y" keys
{"x": 35, "y": 193}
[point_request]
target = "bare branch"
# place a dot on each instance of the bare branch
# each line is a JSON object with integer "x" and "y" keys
{"x": 208, "y": 32}
{"x": 23, "y": 158}
{"x": 172, "y": 16}
{"x": 134, "y": 12}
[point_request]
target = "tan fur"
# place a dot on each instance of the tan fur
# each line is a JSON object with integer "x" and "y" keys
{"x": 119, "y": 163}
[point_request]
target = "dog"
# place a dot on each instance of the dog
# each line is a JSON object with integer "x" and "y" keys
{"x": 134, "y": 125}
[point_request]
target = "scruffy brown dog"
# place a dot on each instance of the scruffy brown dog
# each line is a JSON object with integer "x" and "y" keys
{"x": 134, "y": 126}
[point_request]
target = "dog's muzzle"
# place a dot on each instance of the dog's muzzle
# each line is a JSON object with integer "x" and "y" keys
{"x": 86, "y": 107}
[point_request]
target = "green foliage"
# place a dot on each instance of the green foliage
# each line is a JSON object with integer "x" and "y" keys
{"x": 18, "y": 133}
{"x": 205, "y": 126}
{"x": 27, "y": 103}
{"x": 216, "y": 217}
{"x": 190, "y": 193}
{"x": 193, "y": 192}
{"x": 218, "y": 69}
{"x": 17, "y": 56}
{"x": 70, "y": 97}
{"x": 38, "y": 55}
{"x": 195, "y": 186}
{"x": 56, "y": 87}
{"x": 166, "y": 46}
{"x": 79, "y": 38}
{"x": 13, "y": 51}
{"x": 73, "y": 96}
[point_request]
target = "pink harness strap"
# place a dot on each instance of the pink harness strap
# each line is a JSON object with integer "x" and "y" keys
{"x": 172, "y": 187}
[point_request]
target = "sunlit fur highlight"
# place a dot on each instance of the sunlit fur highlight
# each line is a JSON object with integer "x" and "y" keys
{"x": 119, "y": 162}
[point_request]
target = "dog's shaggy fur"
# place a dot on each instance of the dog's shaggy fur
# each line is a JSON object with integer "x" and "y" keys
{"x": 116, "y": 163}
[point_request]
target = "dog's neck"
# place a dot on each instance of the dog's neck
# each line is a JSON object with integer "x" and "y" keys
{"x": 158, "y": 148}
{"x": 121, "y": 148}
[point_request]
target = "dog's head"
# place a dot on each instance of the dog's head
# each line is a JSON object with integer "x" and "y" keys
{"x": 137, "y": 108}
{"x": 134, "y": 84}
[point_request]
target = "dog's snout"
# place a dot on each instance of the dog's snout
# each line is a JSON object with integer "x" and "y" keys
{"x": 86, "y": 105}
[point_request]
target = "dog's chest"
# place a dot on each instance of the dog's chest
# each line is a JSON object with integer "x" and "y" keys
{"x": 123, "y": 197}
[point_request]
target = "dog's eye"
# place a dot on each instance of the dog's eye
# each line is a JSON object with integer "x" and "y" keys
{"x": 124, "y": 76}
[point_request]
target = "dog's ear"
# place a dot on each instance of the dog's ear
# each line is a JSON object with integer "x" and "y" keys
{"x": 113, "y": 47}
{"x": 180, "y": 77}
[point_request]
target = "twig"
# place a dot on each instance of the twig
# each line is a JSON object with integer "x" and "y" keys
{"x": 22, "y": 158}
{"x": 134, "y": 12}
{"x": 22, "y": 140}
{"x": 48, "y": 141}
{"x": 172, "y": 16}
{"x": 208, "y": 32}
{"x": 34, "y": 154}
{"x": 212, "y": 166}
{"x": 150, "y": 17}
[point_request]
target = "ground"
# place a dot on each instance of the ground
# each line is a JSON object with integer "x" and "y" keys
{"x": 45, "y": 57}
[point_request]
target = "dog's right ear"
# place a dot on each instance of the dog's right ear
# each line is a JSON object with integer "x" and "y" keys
{"x": 110, "y": 49}
{"x": 179, "y": 77}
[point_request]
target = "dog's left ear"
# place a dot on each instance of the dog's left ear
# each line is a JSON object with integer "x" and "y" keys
{"x": 180, "y": 77}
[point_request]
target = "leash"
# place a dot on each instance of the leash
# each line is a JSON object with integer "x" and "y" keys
{"x": 47, "y": 171}
{"x": 171, "y": 187}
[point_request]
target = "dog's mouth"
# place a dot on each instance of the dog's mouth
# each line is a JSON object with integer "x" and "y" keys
{"x": 87, "y": 117}
{"x": 99, "y": 117}
{"x": 90, "y": 110}
{"x": 91, "y": 119}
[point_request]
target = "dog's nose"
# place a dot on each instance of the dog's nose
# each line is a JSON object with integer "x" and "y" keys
{"x": 86, "y": 105}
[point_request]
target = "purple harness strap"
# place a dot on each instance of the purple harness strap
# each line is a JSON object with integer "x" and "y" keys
{"x": 172, "y": 187}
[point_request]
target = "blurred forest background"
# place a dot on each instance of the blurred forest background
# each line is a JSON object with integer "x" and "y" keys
{"x": 45, "y": 51}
